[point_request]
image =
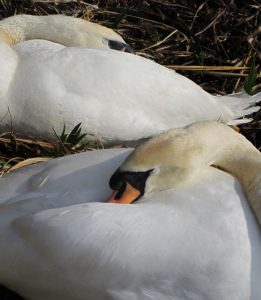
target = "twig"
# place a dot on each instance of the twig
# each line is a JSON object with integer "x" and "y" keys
{"x": 160, "y": 42}
{"x": 210, "y": 24}
{"x": 228, "y": 74}
{"x": 206, "y": 68}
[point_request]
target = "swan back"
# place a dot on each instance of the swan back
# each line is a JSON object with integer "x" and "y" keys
{"x": 112, "y": 102}
{"x": 41, "y": 49}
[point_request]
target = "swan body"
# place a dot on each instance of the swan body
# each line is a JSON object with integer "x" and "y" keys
{"x": 59, "y": 241}
{"x": 64, "y": 30}
{"x": 117, "y": 96}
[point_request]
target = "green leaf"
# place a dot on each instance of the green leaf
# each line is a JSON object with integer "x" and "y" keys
{"x": 74, "y": 137}
{"x": 251, "y": 78}
{"x": 80, "y": 137}
{"x": 63, "y": 136}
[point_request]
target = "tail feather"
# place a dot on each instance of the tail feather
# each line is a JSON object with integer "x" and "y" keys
{"x": 240, "y": 105}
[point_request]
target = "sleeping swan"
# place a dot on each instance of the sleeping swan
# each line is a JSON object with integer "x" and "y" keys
{"x": 119, "y": 97}
{"x": 179, "y": 156}
{"x": 199, "y": 240}
{"x": 64, "y": 30}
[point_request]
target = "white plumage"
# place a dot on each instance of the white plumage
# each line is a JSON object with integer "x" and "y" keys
{"x": 117, "y": 96}
{"x": 199, "y": 241}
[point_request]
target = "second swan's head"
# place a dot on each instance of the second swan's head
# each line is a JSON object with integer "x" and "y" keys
{"x": 178, "y": 156}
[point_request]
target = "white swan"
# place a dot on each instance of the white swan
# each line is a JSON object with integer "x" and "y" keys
{"x": 118, "y": 96}
{"x": 64, "y": 30}
{"x": 196, "y": 241}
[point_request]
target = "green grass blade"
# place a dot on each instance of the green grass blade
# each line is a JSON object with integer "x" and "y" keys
{"x": 251, "y": 78}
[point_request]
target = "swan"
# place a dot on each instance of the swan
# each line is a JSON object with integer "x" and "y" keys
{"x": 118, "y": 96}
{"x": 198, "y": 240}
{"x": 63, "y": 30}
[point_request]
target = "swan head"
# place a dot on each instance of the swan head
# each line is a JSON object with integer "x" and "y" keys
{"x": 178, "y": 156}
{"x": 163, "y": 162}
{"x": 99, "y": 36}
{"x": 64, "y": 30}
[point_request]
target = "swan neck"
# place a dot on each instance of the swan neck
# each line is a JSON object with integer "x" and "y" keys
{"x": 64, "y": 30}
{"x": 214, "y": 144}
{"x": 244, "y": 162}
{"x": 15, "y": 29}
{"x": 4, "y": 36}
{"x": 20, "y": 28}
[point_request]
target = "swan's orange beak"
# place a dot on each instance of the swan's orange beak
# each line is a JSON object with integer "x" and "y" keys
{"x": 130, "y": 194}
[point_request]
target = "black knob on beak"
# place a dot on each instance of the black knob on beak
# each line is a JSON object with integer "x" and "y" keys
{"x": 120, "y": 46}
